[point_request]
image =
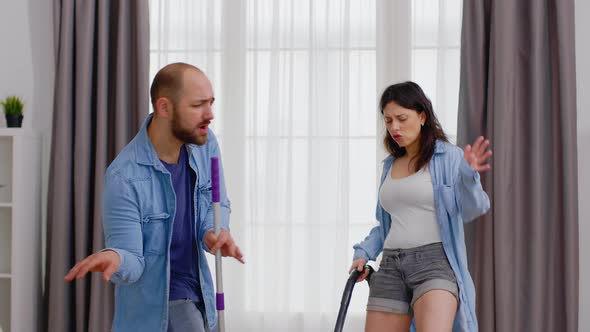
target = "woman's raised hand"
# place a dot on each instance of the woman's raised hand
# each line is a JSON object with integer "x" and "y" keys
{"x": 477, "y": 155}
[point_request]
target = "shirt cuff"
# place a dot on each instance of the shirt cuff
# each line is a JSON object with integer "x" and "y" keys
{"x": 468, "y": 175}
{"x": 117, "y": 277}
{"x": 360, "y": 253}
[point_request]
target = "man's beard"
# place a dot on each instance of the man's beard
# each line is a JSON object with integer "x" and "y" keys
{"x": 188, "y": 136}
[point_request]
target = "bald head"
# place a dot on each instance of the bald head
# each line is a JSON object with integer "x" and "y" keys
{"x": 168, "y": 82}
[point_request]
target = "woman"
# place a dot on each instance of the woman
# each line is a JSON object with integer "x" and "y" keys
{"x": 429, "y": 187}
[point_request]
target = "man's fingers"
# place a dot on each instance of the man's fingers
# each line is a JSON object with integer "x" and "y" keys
{"x": 104, "y": 261}
{"x": 109, "y": 272}
{"x": 72, "y": 273}
{"x": 238, "y": 255}
{"x": 85, "y": 268}
{"x": 79, "y": 270}
{"x": 232, "y": 250}
{"x": 227, "y": 245}
{"x": 221, "y": 240}
{"x": 209, "y": 240}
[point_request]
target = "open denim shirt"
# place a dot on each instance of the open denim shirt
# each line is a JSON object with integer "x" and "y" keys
{"x": 138, "y": 211}
{"x": 458, "y": 198}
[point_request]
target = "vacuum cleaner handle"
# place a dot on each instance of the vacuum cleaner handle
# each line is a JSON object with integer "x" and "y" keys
{"x": 354, "y": 275}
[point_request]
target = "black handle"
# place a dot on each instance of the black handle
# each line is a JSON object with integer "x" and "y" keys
{"x": 354, "y": 275}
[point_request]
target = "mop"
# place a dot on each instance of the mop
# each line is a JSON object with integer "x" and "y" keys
{"x": 217, "y": 219}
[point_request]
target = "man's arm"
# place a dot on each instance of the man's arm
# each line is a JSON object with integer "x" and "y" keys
{"x": 122, "y": 228}
{"x": 122, "y": 261}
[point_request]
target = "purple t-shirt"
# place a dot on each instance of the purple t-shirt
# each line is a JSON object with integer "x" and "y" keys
{"x": 184, "y": 269}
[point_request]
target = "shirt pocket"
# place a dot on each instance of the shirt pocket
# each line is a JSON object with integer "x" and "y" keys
{"x": 155, "y": 241}
{"x": 205, "y": 198}
{"x": 446, "y": 196}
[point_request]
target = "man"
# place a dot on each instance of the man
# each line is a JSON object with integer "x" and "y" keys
{"x": 158, "y": 215}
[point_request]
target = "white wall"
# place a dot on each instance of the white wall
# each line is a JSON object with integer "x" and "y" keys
{"x": 583, "y": 91}
{"x": 27, "y": 68}
{"x": 16, "y": 72}
{"x": 27, "y": 58}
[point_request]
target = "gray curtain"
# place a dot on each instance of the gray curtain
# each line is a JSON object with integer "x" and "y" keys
{"x": 101, "y": 98}
{"x": 518, "y": 89}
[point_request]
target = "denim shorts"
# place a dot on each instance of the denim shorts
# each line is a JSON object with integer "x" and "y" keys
{"x": 406, "y": 274}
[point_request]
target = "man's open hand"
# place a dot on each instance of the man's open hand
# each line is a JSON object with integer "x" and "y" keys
{"x": 106, "y": 262}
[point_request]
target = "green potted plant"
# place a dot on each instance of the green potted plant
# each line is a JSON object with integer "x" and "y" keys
{"x": 13, "y": 110}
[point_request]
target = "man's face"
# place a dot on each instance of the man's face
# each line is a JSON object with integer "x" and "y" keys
{"x": 193, "y": 114}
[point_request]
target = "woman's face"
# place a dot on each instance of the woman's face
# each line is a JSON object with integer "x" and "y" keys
{"x": 403, "y": 124}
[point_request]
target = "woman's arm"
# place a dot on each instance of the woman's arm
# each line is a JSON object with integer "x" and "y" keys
{"x": 472, "y": 200}
{"x": 371, "y": 246}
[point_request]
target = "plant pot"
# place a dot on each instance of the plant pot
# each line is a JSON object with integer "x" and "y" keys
{"x": 14, "y": 121}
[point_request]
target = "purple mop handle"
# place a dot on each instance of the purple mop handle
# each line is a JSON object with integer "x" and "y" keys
{"x": 215, "y": 179}
{"x": 219, "y": 296}
{"x": 219, "y": 302}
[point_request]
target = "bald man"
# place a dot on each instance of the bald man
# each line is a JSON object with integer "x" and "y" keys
{"x": 158, "y": 213}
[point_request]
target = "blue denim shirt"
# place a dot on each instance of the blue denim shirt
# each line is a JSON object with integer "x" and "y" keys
{"x": 458, "y": 198}
{"x": 138, "y": 210}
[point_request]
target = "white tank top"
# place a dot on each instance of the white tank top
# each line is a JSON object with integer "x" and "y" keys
{"x": 410, "y": 202}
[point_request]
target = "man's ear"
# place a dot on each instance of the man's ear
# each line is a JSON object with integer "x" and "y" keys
{"x": 164, "y": 107}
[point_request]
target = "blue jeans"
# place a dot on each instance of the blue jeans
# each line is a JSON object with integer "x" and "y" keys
{"x": 185, "y": 316}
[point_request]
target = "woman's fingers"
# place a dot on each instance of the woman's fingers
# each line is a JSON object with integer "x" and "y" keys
{"x": 477, "y": 144}
{"x": 484, "y": 168}
{"x": 467, "y": 150}
{"x": 363, "y": 276}
{"x": 486, "y": 156}
{"x": 483, "y": 147}
{"x": 358, "y": 264}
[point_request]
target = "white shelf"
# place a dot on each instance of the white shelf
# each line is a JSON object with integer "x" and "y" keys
{"x": 11, "y": 132}
{"x": 20, "y": 223}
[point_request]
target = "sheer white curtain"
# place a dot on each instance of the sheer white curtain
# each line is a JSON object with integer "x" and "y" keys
{"x": 436, "y": 48}
{"x": 297, "y": 84}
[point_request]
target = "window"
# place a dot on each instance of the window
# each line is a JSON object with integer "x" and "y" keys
{"x": 296, "y": 115}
